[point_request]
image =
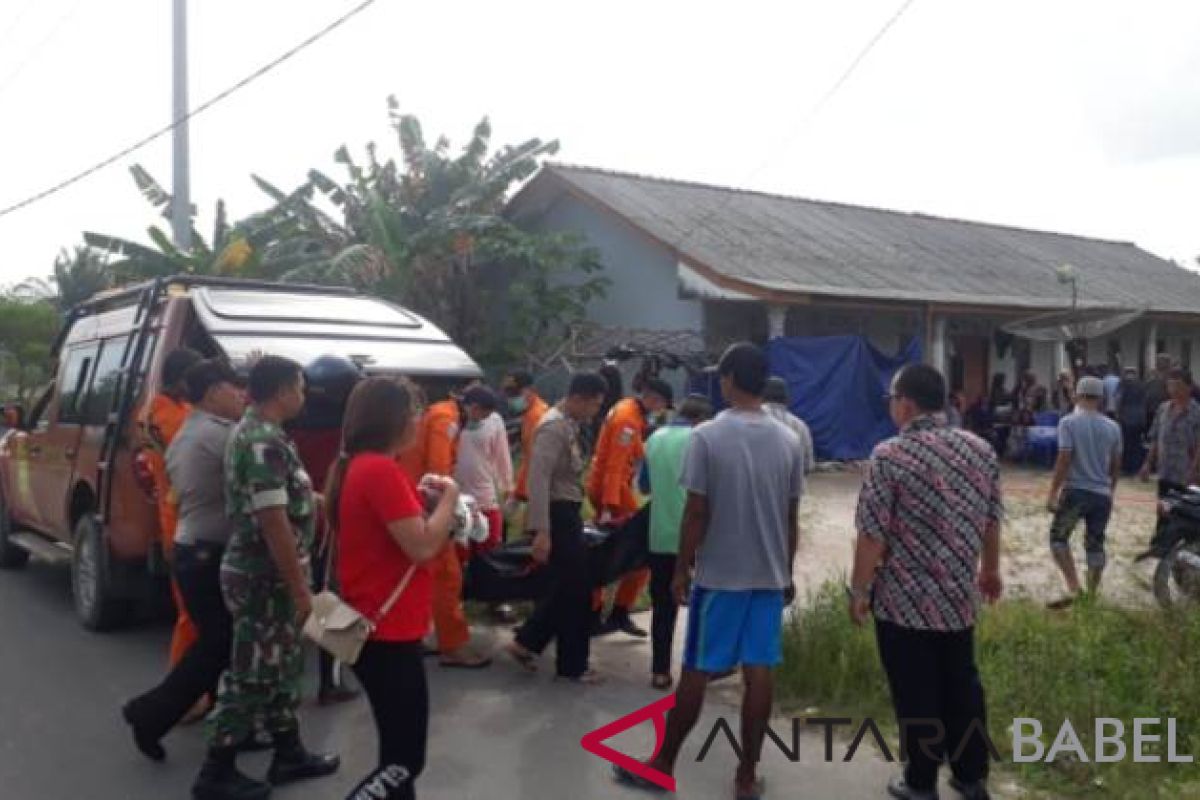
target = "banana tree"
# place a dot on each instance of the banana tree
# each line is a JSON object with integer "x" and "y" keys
{"x": 233, "y": 250}
{"x": 424, "y": 228}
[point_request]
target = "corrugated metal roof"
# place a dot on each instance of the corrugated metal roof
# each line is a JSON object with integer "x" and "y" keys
{"x": 792, "y": 245}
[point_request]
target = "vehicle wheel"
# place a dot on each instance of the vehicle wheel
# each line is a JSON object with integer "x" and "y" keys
{"x": 1177, "y": 579}
{"x": 11, "y": 556}
{"x": 98, "y": 605}
{"x": 1162, "y": 581}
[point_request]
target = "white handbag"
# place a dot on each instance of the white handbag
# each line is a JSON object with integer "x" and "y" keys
{"x": 339, "y": 628}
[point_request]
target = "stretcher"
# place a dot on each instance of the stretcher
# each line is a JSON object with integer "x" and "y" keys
{"x": 509, "y": 573}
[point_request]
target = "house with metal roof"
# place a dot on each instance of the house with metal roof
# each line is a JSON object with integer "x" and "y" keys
{"x": 715, "y": 264}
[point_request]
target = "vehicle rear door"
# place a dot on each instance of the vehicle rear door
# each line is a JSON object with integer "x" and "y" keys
{"x": 52, "y": 448}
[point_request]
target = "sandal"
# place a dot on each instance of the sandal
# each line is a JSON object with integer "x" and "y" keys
{"x": 662, "y": 683}
{"x": 525, "y": 659}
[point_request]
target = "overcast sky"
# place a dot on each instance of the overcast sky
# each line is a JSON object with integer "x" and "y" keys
{"x": 1076, "y": 116}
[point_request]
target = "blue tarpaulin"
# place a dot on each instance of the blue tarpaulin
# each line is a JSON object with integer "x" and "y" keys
{"x": 837, "y": 386}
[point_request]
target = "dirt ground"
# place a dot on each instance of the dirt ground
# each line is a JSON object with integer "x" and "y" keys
{"x": 827, "y": 536}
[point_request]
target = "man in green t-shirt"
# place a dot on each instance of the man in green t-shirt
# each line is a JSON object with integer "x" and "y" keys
{"x": 659, "y": 478}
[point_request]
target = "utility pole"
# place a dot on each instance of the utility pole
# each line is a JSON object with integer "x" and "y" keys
{"x": 181, "y": 190}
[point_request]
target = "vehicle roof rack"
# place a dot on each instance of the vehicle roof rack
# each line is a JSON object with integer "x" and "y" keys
{"x": 135, "y": 291}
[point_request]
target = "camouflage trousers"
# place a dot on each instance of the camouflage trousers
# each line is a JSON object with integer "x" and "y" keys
{"x": 266, "y": 662}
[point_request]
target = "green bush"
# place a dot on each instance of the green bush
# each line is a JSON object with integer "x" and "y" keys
{"x": 1095, "y": 660}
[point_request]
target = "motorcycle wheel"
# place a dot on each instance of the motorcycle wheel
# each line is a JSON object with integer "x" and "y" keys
{"x": 1167, "y": 589}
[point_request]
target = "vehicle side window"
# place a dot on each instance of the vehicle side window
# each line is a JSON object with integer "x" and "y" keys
{"x": 75, "y": 374}
{"x": 104, "y": 381}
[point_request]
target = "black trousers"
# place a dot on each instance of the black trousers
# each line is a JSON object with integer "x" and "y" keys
{"x": 934, "y": 679}
{"x": 666, "y": 611}
{"x": 197, "y": 570}
{"x": 1134, "y": 450}
{"x": 393, "y": 676}
{"x": 564, "y": 613}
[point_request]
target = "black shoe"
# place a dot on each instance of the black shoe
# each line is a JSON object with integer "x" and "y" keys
{"x": 971, "y": 791}
{"x": 218, "y": 781}
{"x": 604, "y": 628}
{"x": 146, "y": 742}
{"x": 297, "y": 764}
{"x": 899, "y": 789}
{"x": 624, "y": 623}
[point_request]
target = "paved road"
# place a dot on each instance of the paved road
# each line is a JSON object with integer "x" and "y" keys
{"x": 495, "y": 734}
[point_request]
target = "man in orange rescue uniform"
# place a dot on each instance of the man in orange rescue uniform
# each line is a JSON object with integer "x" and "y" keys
{"x": 523, "y": 399}
{"x": 166, "y": 415}
{"x": 619, "y": 449}
{"x": 434, "y": 453}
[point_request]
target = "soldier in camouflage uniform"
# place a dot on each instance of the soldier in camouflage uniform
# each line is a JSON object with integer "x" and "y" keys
{"x": 264, "y": 578}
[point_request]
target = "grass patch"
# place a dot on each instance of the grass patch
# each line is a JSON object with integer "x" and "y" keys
{"x": 1094, "y": 661}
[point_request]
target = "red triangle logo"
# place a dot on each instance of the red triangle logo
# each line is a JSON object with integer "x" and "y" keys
{"x": 656, "y": 711}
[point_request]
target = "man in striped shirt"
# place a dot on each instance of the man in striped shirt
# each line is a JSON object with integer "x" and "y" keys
{"x": 928, "y": 546}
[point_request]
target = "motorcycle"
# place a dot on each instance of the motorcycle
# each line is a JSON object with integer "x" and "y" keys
{"x": 1176, "y": 545}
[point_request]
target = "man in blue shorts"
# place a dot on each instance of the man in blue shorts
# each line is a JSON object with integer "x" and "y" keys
{"x": 744, "y": 474}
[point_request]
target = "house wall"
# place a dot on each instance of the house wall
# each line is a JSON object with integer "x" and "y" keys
{"x": 644, "y": 290}
{"x": 727, "y": 322}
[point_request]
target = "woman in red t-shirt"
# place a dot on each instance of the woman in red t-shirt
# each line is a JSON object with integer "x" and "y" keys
{"x": 382, "y": 536}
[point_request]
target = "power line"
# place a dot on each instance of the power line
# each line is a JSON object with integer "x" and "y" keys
{"x": 820, "y": 105}
{"x": 158, "y": 134}
{"x": 808, "y": 118}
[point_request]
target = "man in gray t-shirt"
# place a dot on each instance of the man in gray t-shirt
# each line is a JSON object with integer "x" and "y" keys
{"x": 744, "y": 474}
{"x": 748, "y": 467}
{"x": 1085, "y": 477}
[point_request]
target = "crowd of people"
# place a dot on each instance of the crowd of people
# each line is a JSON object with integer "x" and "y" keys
{"x": 250, "y": 539}
{"x": 238, "y": 462}
{"x": 1002, "y": 415}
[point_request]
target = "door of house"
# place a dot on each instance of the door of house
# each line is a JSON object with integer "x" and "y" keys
{"x": 969, "y": 374}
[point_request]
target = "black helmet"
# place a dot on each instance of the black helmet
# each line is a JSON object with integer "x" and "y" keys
{"x": 329, "y": 379}
{"x": 332, "y": 378}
